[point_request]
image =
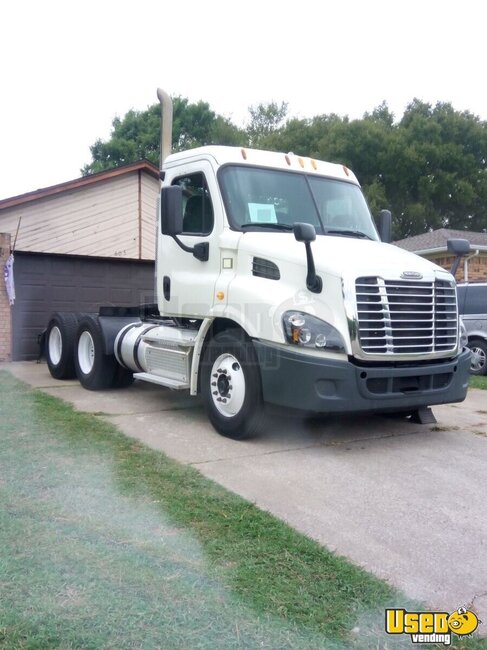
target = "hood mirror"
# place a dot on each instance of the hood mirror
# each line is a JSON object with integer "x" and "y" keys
{"x": 460, "y": 248}
{"x": 306, "y": 233}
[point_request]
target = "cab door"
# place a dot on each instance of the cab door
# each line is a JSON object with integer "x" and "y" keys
{"x": 185, "y": 284}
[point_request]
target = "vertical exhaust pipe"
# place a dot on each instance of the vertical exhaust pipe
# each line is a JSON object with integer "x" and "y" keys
{"x": 166, "y": 126}
{"x": 385, "y": 226}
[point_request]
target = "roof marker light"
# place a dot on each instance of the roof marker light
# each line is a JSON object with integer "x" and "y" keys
{"x": 347, "y": 172}
{"x": 314, "y": 164}
{"x": 301, "y": 162}
{"x": 244, "y": 154}
{"x": 288, "y": 160}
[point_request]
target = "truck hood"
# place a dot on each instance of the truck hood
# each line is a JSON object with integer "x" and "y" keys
{"x": 338, "y": 256}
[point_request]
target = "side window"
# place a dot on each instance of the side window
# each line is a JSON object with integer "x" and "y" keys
{"x": 476, "y": 302}
{"x": 197, "y": 207}
{"x": 461, "y": 293}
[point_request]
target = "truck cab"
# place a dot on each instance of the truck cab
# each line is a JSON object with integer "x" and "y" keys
{"x": 379, "y": 331}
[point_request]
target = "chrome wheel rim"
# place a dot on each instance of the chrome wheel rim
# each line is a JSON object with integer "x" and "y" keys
{"x": 86, "y": 352}
{"x": 478, "y": 359}
{"x": 55, "y": 345}
{"x": 227, "y": 385}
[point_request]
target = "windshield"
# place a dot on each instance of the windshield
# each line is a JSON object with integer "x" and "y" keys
{"x": 268, "y": 199}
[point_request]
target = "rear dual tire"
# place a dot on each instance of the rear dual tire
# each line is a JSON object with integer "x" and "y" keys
{"x": 95, "y": 369}
{"x": 59, "y": 345}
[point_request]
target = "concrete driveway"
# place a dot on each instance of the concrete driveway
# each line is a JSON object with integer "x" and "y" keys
{"x": 406, "y": 502}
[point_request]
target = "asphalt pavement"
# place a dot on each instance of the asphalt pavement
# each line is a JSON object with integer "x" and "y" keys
{"x": 407, "y": 502}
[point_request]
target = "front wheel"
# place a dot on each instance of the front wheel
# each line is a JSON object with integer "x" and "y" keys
{"x": 231, "y": 385}
{"x": 478, "y": 364}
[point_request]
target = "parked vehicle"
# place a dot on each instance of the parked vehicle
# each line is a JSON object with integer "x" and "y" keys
{"x": 273, "y": 286}
{"x": 472, "y": 305}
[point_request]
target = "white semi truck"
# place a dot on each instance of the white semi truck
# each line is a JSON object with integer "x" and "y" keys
{"x": 273, "y": 286}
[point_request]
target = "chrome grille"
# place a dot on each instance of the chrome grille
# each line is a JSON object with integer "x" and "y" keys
{"x": 406, "y": 317}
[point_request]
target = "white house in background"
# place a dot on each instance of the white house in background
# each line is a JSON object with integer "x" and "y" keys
{"x": 109, "y": 214}
{"x": 433, "y": 246}
{"x": 83, "y": 243}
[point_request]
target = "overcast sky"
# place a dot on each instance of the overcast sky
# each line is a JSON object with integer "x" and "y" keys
{"x": 68, "y": 68}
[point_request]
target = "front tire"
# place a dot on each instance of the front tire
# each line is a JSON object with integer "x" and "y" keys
{"x": 479, "y": 357}
{"x": 231, "y": 385}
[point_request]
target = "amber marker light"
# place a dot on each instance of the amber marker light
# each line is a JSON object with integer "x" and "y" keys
{"x": 220, "y": 295}
{"x": 301, "y": 162}
{"x": 244, "y": 154}
{"x": 347, "y": 172}
{"x": 314, "y": 164}
{"x": 297, "y": 323}
{"x": 288, "y": 160}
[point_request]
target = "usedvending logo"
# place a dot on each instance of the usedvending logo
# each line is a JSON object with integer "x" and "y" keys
{"x": 431, "y": 627}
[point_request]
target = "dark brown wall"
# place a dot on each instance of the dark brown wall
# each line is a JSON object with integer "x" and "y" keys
{"x": 48, "y": 283}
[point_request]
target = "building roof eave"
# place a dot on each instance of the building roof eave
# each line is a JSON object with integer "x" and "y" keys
{"x": 444, "y": 250}
{"x": 53, "y": 190}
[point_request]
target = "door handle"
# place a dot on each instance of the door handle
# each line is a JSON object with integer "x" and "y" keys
{"x": 166, "y": 287}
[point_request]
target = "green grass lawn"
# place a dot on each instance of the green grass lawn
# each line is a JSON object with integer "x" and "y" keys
{"x": 107, "y": 544}
{"x": 478, "y": 382}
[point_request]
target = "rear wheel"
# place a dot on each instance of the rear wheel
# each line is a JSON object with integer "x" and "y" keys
{"x": 95, "y": 369}
{"x": 478, "y": 364}
{"x": 231, "y": 385}
{"x": 59, "y": 346}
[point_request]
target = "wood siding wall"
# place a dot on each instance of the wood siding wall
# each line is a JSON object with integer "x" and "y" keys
{"x": 149, "y": 195}
{"x": 107, "y": 219}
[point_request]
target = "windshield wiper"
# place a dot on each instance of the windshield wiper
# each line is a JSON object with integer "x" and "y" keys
{"x": 268, "y": 224}
{"x": 348, "y": 233}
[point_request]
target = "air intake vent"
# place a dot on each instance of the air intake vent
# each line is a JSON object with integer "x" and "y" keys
{"x": 262, "y": 268}
{"x": 406, "y": 317}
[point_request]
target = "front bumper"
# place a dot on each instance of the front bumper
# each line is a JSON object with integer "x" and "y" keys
{"x": 327, "y": 386}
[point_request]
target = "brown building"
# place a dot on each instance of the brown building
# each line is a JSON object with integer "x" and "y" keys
{"x": 433, "y": 246}
{"x": 80, "y": 244}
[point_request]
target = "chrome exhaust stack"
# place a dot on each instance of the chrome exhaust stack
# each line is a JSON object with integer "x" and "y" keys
{"x": 166, "y": 125}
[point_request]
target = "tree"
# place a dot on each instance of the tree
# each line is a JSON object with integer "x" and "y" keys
{"x": 437, "y": 174}
{"x": 264, "y": 120}
{"x": 137, "y": 134}
{"x": 429, "y": 168}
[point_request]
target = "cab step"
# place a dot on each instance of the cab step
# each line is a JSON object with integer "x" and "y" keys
{"x": 175, "y": 384}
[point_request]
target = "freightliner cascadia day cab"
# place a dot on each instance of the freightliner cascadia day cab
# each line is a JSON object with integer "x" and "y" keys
{"x": 273, "y": 286}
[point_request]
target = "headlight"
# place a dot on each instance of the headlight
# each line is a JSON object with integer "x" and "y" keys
{"x": 311, "y": 332}
{"x": 463, "y": 334}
